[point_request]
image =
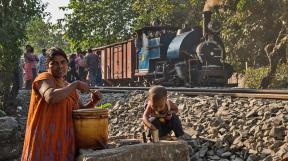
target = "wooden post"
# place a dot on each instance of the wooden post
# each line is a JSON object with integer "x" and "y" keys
{"x": 246, "y": 65}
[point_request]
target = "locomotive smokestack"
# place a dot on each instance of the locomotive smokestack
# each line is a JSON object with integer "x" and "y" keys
{"x": 206, "y": 19}
{"x": 209, "y": 5}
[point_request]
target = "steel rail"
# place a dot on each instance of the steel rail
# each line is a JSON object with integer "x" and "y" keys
{"x": 253, "y": 93}
{"x": 218, "y": 90}
{"x": 247, "y": 95}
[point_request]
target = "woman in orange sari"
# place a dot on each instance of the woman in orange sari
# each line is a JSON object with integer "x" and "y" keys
{"x": 49, "y": 132}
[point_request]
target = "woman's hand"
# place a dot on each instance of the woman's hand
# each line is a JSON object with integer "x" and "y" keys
{"x": 82, "y": 86}
{"x": 95, "y": 97}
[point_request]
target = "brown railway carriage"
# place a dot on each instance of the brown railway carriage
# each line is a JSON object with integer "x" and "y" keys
{"x": 118, "y": 62}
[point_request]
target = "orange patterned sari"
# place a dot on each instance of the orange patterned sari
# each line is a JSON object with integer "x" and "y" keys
{"x": 49, "y": 132}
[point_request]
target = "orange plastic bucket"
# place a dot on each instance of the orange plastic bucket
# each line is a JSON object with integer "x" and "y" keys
{"x": 91, "y": 128}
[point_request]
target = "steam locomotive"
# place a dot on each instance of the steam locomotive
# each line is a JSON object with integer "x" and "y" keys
{"x": 168, "y": 56}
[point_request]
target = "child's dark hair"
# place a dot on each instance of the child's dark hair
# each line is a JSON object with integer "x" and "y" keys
{"x": 156, "y": 92}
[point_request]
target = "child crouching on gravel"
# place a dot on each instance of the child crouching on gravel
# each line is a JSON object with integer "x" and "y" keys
{"x": 160, "y": 114}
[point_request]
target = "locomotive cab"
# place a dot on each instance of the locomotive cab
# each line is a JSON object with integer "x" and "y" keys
{"x": 154, "y": 44}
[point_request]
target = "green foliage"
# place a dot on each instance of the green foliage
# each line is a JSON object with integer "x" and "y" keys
{"x": 253, "y": 77}
{"x": 38, "y": 33}
{"x": 238, "y": 67}
{"x": 98, "y": 22}
{"x": 249, "y": 26}
{"x": 45, "y": 35}
{"x": 168, "y": 12}
{"x": 281, "y": 77}
{"x": 14, "y": 16}
{"x": 107, "y": 21}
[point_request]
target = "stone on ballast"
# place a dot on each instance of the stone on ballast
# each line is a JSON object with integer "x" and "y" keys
{"x": 237, "y": 143}
{"x": 268, "y": 158}
{"x": 214, "y": 157}
{"x": 252, "y": 151}
{"x": 237, "y": 159}
{"x": 181, "y": 106}
{"x": 252, "y": 113}
{"x": 2, "y": 113}
{"x": 226, "y": 154}
{"x": 210, "y": 152}
{"x": 278, "y": 132}
{"x": 252, "y": 158}
{"x": 283, "y": 150}
{"x": 10, "y": 138}
{"x": 203, "y": 151}
{"x": 268, "y": 151}
{"x": 223, "y": 159}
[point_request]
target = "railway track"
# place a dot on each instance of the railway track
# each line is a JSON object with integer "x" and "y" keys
{"x": 233, "y": 92}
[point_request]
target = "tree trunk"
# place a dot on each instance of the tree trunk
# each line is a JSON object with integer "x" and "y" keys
{"x": 276, "y": 52}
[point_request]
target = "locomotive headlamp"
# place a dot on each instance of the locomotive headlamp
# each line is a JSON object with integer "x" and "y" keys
{"x": 214, "y": 26}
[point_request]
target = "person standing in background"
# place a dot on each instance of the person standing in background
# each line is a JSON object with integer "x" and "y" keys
{"x": 80, "y": 64}
{"x": 99, "y": 70}
{"x": 28, "y": 63}
{"x": 34, "y": 63}
{"x": 85, "y": 78}
{"x": 73, "y": 75}
{"x": 42, "y": 61}
{"x": 91, "y": 61}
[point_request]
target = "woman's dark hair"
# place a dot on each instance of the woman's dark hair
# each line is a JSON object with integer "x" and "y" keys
{"x": 54, "y": 51}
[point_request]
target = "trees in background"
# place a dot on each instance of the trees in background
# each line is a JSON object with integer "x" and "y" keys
{"x": 98, "y": 22}
{"x": 256, "y": 32}
{"x": 168, "y": 12}
{"x": 276, "y": 53}
{"x": 14, "y": 16}
{"x": 95, "y": 23}
{"x": 248, "y": 26}
{"x": 42, "y": 34}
